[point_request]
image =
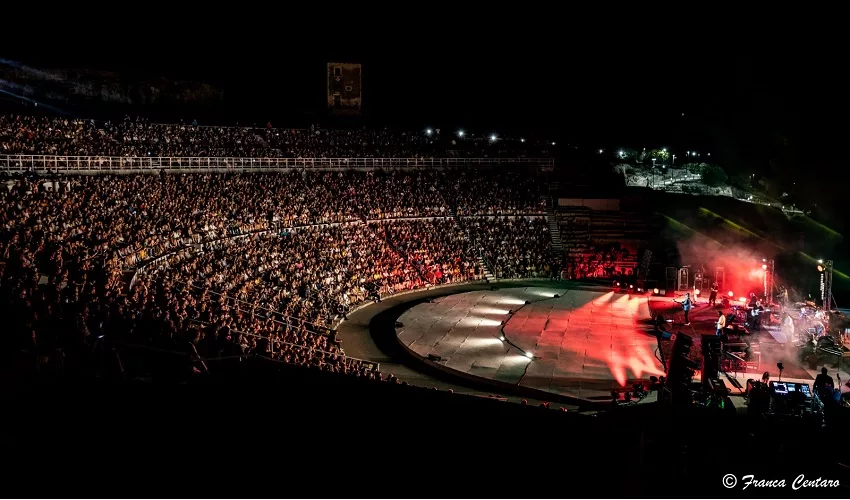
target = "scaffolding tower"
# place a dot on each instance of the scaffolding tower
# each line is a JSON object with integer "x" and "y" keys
{"x": 826, "y": 284}
{"x": 769, "y": 279}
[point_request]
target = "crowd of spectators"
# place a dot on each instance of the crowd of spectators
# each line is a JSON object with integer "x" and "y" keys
{"x": 513, "y": 247}
{"x": 602, "y": 261}
{"x": 237, "y": 264}
{"x": 438, "y": 248}
{"x": 514, "y": 193}
{"x": 38, "y": 135}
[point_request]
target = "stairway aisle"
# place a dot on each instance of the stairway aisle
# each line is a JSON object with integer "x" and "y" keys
{"x": 555, "y": 234}
{"x": 488, "y": 273}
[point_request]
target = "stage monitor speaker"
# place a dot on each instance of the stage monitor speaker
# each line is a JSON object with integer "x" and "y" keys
{"x": 710, "y": 357}
{"x": 684, "y": 282}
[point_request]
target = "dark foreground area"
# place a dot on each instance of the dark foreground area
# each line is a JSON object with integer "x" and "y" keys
{"x": 314, "y": 434}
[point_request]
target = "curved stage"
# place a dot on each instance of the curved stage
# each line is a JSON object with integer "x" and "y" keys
{"x": 584, "y": 343}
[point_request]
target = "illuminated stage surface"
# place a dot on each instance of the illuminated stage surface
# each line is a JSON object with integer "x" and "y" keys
{"x": 584, "y": 343}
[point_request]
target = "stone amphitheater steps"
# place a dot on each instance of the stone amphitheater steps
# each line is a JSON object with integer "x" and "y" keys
{"x": 488, "y": 273}
{"x": 555, "y": 235}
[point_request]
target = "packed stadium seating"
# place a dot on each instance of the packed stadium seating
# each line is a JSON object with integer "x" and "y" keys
{"x": 31, "y": 135}
{"x": 225, "y": 265}
{"x": 602, "y": 244}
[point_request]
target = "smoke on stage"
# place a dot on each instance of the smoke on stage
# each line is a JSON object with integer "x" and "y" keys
{"x": 743, "y": 269}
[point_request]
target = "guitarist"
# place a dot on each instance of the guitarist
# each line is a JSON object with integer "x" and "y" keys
{"x": 686, "y": 306}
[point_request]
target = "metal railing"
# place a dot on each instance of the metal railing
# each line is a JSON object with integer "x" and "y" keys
{"x": 127, "y": 164}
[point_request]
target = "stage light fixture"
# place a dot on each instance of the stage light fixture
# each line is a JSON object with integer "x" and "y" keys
{"x": 502, "y": 338}
{"x": 820, "y": 268}
{"x": 696, "y": 291}
{"x": 820, "y": 261}
{"x": 656, "y": 291}
{"x": 640, "y": 290}
{"x": 731, "y": 293}
{"x": 631, "y": 286}
{"x": 764, "y": 267}
{"x": 743, "y": 300}
{"x": 529, "y": 355}
{"x": 617, "y": 283}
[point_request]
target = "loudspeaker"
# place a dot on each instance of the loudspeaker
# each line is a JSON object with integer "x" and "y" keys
{"x": 710, "y": 357}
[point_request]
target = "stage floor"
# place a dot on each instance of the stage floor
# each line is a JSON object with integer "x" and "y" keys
{"x": 584, "y": 343}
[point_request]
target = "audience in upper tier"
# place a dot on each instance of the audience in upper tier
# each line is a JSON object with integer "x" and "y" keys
{"x": 602, "y": 261}
{"x": 513, "y": 248}
{"x": 262, "y": 264}
{"x": 32, "y": 135}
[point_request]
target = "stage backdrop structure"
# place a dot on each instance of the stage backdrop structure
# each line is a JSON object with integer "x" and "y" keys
{"x": 345, "y": 88}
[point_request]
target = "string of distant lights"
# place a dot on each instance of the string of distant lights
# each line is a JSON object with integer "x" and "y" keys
{"x": 825, "y": 269}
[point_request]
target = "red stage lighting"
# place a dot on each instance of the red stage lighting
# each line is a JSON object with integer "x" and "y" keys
{"x": 696, "y": 291}
{"x": 731, "y": 293}
{"x": 764, "y": 266}
{"x": 656, "y": 291}
{"x": 743, "y": 300}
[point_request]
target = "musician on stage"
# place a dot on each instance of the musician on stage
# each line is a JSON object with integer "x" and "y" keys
{"x": 712, "y": 297}
{"x": 753, "y": 300}
{"x": 783, "y": 297}
{"x": 721, "y": 323}
{"x": 756, "y": 313}
{"x": 686, "y": 306}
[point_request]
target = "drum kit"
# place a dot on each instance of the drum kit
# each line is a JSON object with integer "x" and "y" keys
{"x": 811, "y": 323}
